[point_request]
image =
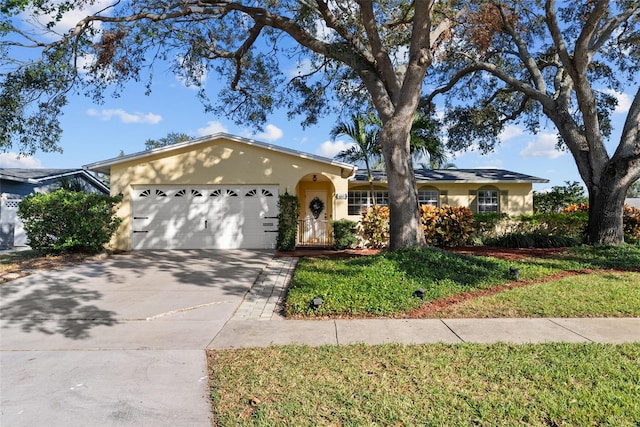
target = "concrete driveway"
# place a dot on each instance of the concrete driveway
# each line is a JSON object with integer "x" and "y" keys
{"x": 119, "y": 341}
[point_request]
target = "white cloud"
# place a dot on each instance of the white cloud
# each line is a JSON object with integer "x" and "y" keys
{"x": 493, "y": 164}
{"x": 301, "y": 68}
{"x": 15, "y": 160}
{"x": 68, "y": 20}
{"x": 331, "y": 148}
{"x": 125, "y": 117}
{"x": 543, "y": 146}
{"x": 624, "y": 101}
{"x": 212, "y": 128}
{"x": 271, "y": 133}
{"x": 510, "y": 132}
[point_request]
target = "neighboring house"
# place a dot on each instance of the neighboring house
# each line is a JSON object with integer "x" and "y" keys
{"x": 221, "y": 191}
{"x": 16, "y": 184}
{"x": 634, "y": 202}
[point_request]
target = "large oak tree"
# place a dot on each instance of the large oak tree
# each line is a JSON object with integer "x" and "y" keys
{"x": 528, "y": 60}
{"x": 354, "y": 53}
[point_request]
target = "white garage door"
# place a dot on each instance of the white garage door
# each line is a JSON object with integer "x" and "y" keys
{"x": 204, "y": 217}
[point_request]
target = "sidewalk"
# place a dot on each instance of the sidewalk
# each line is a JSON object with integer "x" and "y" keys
{"x": 258, "y": 323}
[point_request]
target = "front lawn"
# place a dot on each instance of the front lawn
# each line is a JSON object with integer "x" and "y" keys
{"x": 385, "y": 284}
{"x": 438, "y": 384}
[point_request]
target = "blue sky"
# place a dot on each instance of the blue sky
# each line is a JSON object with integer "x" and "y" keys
{"x": 94, "y": 132}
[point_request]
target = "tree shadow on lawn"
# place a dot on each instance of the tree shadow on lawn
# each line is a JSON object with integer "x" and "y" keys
{"x": 433, "y": 265}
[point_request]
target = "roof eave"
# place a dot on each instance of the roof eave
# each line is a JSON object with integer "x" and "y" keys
{"x": 104, "y": 166}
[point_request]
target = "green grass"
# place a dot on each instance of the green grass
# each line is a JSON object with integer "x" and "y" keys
{"x": 593, "y": 295}
{"x": 384, "y": 284}
{"x": 452, "y": 385}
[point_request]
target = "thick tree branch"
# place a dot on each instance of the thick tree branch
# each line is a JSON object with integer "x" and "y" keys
{"x": 603, "y": 34}
{"x": 382, "y": 60}
{"x": 523, "y": 52}
{"x": 583, "y": 52}
{"x": 556, "y": 35}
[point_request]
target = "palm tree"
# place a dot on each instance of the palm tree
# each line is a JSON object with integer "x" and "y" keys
{"x": 424, "y": 140}
{"x": 363, "y": 131}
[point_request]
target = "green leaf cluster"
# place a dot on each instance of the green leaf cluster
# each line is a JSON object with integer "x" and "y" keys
{"x": 344, "y": 234}
{"x": 287, "y": 222}
{"x": 69, "y": 221}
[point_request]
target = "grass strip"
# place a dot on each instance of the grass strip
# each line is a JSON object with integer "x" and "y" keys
{"x": 453, "y": 385}
{"x": 605, "y": 294}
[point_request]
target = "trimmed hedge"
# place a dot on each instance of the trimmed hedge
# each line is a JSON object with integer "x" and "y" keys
{"x": 69, "y": 221}
{"x": 344, "y": 234}
{"x": 287, "y": 222}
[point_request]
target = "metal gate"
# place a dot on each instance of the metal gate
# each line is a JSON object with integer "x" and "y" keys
{"x": 314, "y": 232}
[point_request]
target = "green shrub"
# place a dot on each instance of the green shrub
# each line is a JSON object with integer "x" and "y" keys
{"x": 69, "y": 221}
{"x": 571, "y": 223}
{"x": 344, "y": 234}
{"x": 533, "y": 239}
{"x": 287, "y": 222}
{"x": 447, "y": 226}
{"x": 374, "y": 226}
{"x": 488, "y": 222}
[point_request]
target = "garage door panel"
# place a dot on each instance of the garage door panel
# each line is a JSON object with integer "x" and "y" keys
{"x": 222, "y": 217}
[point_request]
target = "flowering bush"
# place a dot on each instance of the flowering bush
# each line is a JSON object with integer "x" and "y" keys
{"x": 374, "y": 226}
{"x": 446, "y": 226}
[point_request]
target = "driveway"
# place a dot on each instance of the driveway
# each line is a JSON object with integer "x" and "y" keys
{"x": 119, "y": 341}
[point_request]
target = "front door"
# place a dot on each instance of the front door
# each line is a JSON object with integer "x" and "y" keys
{"x": 316, "y": 222}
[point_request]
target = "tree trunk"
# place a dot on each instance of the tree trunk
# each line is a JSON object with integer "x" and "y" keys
{"x": 405, "y": 227}
{"x": 606, "y": 206}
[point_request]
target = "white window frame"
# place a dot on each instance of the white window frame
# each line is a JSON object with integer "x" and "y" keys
{"x": 429, "y": 197}
{"x": 359, "y": 200}
{"x": 488, "y": 201}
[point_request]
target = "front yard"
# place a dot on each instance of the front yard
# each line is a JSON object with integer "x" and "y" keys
{"x": 577, "y": 282}
{"x": 428, "y": 385}
{"x": 441, "y": 384}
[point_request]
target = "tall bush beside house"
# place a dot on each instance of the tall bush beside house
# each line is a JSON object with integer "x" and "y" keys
{"x": 344, "y": 234}
{"x": 69, "y": 221}
{"x": 446, "y": 226}
{"x": 287, "y": 222}
{"x": 374, "y": 226}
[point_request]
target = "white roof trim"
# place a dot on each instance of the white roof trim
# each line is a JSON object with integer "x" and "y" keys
{"x": 104, "y": 165}
{"x": 95, "y": 181}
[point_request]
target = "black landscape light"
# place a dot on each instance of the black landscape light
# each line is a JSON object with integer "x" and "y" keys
{"x": 419, "y": 293}
{"x": 514, "y": 273}
{"x": 316, "y": 303}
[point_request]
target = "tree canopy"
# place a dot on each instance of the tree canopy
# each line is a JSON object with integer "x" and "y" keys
{"x": 529, "y": 61}
{"x": 351, "y": 55}
{"x": 517, "y": 61}
{"x": 170, "y": 139}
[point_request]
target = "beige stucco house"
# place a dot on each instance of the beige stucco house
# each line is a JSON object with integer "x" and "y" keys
{"x": 221, "y": 191}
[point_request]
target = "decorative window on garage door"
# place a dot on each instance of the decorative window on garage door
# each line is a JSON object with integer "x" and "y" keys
{"x": 222, "y": 192}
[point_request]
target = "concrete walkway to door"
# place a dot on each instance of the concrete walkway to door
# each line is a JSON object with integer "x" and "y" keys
{"x": 118, "y": 342}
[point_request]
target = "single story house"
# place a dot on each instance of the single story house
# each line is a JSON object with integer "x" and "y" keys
{"x": 16, "y": 184}
{"x": 221, "y": 191}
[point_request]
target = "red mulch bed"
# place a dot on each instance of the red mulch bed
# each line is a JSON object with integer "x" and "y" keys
{"x": 497, "y": 252}
{"x": 509, "y": 253}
